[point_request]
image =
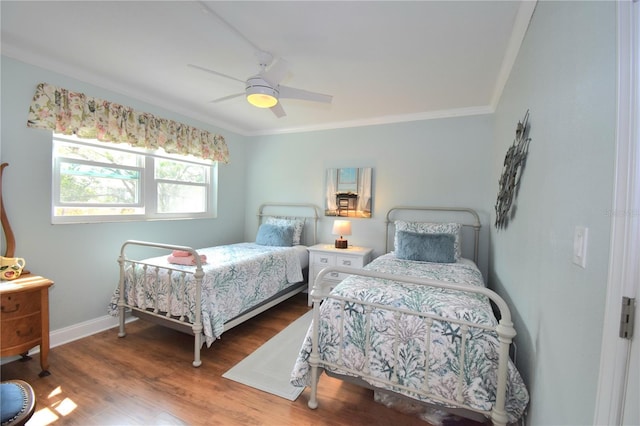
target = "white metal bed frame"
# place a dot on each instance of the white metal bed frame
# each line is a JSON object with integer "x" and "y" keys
{"x": 504, "y": 329}
{"x": 181, "y": 323}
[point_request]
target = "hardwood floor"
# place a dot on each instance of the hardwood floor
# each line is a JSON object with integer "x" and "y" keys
{"x": 106, "y": 380}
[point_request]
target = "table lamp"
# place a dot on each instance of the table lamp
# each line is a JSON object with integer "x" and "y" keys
{"x": 341, "y": 228}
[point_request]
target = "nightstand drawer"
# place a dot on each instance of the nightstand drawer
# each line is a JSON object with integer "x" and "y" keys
{"x": 15, "y": 305}
{"x": 316, "y": 268}
{"x": 333, "y": 275}
{"x": 323, "y": 259}
{"x": 350, "y": 261}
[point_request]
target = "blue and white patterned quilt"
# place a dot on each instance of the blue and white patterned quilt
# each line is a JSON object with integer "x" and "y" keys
{"x": 481, "y": 355}
{"x": 237, "y": 278}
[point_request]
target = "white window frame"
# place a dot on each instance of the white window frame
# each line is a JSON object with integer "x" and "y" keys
{"x": 148, "y": 185}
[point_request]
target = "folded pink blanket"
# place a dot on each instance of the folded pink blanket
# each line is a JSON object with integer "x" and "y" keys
{"x": 181, "y": 253}
{"x": 186, "y": 260}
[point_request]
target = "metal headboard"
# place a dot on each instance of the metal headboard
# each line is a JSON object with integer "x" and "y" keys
{"x": 475, "y": 225}
{"x": 311, "y": 211}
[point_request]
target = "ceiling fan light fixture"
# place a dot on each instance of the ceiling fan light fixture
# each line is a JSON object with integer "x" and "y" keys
{"x": 260, "y": 93}
{"x": 261, "y": 100}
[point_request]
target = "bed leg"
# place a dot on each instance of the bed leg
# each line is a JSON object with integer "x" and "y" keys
{"x": 313, "y": 399}
{"x": 197, "y": 345}
{"x": 121, "y": 258}
{"x": 121, "y": 332}
{"x": 197, "y": 324}
{"x": 499, "y": 419}
{"x": 314, "y": 357}
{"x": 506, "y": 333}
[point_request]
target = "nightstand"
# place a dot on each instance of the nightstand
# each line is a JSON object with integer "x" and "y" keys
{"x": 323, "y": 255}
{"x": 24, "y": 317}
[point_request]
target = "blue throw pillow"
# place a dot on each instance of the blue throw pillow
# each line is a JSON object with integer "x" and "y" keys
{"x": 274, "y": 235}
{"x": 438, "y": 248}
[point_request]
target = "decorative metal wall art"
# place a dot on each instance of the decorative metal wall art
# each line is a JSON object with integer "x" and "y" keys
{"x": 512, "y": 171}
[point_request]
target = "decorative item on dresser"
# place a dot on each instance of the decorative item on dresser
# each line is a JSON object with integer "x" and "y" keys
{"x": 323, "y": 255}
{"x": 11, "y": 267}
{"x": 24, "y": 302}
{"x": 6, "y": 227}
{"x": 24, "y": 316}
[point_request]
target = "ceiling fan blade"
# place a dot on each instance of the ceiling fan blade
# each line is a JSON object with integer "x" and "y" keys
{"x": 225, "y": 98}
{"x": 292, "y": 93}
{"x": 276, "y": 72}
{"x": 215, "y": 72}
{"x": 278, "y": 110}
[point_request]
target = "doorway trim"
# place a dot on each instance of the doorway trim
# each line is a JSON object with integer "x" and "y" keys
{"x": 625, "y": 214}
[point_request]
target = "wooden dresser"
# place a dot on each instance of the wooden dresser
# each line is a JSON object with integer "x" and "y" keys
{"x": 24, "y": 317}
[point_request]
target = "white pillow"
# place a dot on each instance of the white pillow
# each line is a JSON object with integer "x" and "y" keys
{"x": 296, "y": 223}
{"x": 431, "y": 228}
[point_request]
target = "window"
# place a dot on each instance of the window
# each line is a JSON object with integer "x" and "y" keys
{"x": 105, "y": 182}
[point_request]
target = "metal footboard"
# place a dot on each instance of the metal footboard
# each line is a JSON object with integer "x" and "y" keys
{"x": 504, "y": 330}
{"x": 180, "y": 321}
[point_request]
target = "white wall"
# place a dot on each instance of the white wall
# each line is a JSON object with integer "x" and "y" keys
{"x": 435, "y": 162}
{"x": 81, "y": 258}
{"x": 565, "y": 74}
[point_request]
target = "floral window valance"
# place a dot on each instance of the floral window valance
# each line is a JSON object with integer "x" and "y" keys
{"x": 68, "y": 113}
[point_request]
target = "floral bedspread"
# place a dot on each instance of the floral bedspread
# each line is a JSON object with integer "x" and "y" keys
{"x": 237, "y": 277}
{"x": 481, "y": 354}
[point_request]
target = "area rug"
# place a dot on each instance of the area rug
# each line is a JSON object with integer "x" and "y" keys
{"x": 269, "y": 367}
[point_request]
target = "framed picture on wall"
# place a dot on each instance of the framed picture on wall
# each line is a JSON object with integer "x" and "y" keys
{"x": 348, "y": 192}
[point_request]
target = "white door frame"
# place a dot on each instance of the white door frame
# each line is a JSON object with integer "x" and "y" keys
{"x": 625, "y": 214}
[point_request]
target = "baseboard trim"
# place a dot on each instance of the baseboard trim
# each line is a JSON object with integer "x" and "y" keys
{"x": 74, "y": 332}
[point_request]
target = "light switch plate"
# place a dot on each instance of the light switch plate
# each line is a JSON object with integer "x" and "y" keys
{"x": 580, "y": 238}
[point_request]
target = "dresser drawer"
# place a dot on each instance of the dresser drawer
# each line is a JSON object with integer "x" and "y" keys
{"x": 20, "y": 331}
{"x": 14, "y": 305}
{"x": 24, "y": 318}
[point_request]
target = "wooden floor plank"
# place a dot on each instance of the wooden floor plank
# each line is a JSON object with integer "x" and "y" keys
{"x": 105, "y": 380}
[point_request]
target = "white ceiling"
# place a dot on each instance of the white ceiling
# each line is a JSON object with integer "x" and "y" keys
{"x": 383, "y": 61}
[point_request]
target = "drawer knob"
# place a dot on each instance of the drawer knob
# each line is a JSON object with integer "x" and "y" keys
{"x": 323, "y": 260}
{"x": 334, "y": 274}
{"x": 7, "y": 311}
{"x": 29, "y": 333}
{"x": 346, "y": 262}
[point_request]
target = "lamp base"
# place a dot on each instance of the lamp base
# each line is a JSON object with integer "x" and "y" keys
{"x": 341, "y": 243}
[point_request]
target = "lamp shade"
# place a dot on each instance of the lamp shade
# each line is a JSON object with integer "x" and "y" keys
{"x": 260, "y": 93}
{"x": 341, "y": 227}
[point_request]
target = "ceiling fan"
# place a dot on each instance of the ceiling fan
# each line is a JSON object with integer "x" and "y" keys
{"x": 264, "y": 90}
